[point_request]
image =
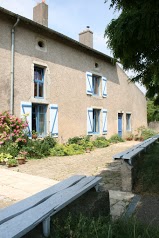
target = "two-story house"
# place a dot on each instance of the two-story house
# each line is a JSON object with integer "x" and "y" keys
{"x": 67, "y": 88}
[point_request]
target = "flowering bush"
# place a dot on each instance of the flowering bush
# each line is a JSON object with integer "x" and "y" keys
{"x": 12, "y": 128}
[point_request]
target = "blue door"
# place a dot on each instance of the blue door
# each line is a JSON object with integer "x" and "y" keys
{"x": 120, "y": 115}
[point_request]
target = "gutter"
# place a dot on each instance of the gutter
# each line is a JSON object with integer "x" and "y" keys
{"x": 12, "y": 67}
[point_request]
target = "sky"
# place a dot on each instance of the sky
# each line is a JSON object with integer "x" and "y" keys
{"x": 71, "y": 17}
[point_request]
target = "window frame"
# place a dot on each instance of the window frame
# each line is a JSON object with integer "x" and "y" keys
{"x": 39, "y": 82}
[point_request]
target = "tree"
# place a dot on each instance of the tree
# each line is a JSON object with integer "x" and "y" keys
{"x": 152, "y": 111}
{"x": 134, "y": 40}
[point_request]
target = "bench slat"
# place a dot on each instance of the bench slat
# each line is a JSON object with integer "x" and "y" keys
{"x": 144, "y": 145}
{"x": 120, "y": 155}
{"x": 23, "y": 223}
{"x": 19, "y": 207}
{"x": 132, "y": 154}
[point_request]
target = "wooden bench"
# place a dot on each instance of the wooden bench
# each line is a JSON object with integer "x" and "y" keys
{"x": 127, "y": 155}
{"x": 21, "y": 217}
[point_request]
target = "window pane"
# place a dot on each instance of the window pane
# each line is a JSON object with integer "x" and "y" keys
{"x": 128, "y": 122}
{"x": 95, "y": 85}
{"x": 35, "y": 90}
{"x": 95, "y": 120}
{"x": 41, "y": 124}
{"x": 38, "y": 74}
{"x": 40, "y": 90}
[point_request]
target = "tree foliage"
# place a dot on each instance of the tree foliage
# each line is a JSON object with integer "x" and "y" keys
{"x": 152, "y": 111}
{"x": 134, "y": 40}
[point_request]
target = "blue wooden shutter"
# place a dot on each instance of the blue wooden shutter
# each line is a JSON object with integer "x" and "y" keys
{"x": 54, "y": 120}
{"x": 104, "y": 87}
{"x": 104, "y": 129}
{"x": 26, "y": 108}
{"x": 89, "y": 88}
{"x": 89, "y": 121}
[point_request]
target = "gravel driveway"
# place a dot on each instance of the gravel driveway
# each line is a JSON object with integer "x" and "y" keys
{"x": 97, "y": 162}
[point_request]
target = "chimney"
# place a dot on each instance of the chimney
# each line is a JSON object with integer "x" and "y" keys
{"x": 86, "y": 37}
{"x": 40, "y": 13}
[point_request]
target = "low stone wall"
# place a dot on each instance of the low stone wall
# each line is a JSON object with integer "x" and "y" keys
{"x": 154, "y": 126}
{"x": 128, "y": 175}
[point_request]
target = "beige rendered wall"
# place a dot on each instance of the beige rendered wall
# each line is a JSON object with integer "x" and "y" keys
{"x": 5, "y": 62}
{"x": 65, "y": 83}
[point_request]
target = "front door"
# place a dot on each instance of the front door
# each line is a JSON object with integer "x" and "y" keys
{"x": 120, "y": 115}
{"x": 39, "y": 119}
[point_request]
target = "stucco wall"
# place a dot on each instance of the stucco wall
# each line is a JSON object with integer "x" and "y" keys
{"x": 65, "y": 82}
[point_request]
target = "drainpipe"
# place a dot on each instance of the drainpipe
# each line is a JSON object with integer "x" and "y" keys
{"x": 12, "y": 68}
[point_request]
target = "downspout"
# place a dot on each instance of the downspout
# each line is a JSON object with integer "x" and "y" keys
{"x": 12, "y": 68}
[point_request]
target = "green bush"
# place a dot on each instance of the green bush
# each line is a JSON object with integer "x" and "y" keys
{"x": 83, "y": 227}
{"x": 4, "y": 157}
{"x": 74, "y": 140}
{"x": 101, "y": 142}
{"x": 63, "y": 150}
{"x": 78, "y": 140}
{"x": 86, "y": 144}
{"x": 11, "y": 148}
{"x": 50, "y": 141}
{"x": 39, "y": 148}
{"x": 115, "y": 139}
{"x": 146, "y": 133}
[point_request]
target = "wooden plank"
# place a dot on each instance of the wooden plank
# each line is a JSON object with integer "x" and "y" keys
{"x": 23, "y": 223}
{"x": 144, "y": 145}
{"x": 121, "y": 154}
{"x": 19, "y": 207}
{"x": 132, "y": 154}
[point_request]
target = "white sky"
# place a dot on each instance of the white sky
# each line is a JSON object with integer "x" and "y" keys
{"x": 71, "y": 17}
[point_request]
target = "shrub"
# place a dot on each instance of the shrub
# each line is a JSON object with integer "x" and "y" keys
{"x": 63, "y": 150}
{"x": 101, "y": 142}
{"x": 74, "y": 140}
{"x": 87, "y": 144}
{"x": 50, "y": 141}
{"x": 115, "y": 139}
{"x": 145, "y": 133}
{"x": 33, "y": 150}
{"x": 12, "y": 162}
{"x": 4, "y": 157}
{"x": 12, "y": 128}
{"x": 129, "y": 137}
{"x": 10, "y": 147}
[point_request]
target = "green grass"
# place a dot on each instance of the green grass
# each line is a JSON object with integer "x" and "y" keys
{"x": 148, "y": 172}
{"x": 82, "y": 227}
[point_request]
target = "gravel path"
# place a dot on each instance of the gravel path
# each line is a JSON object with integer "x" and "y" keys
{"x": 97, "y": 162}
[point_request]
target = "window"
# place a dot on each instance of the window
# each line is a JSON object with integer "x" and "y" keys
{"x": 93, "y": 85}
{"x": 128, "y": 121}
{"x": 38, "y": 82}
{"x": 96, "y": 114}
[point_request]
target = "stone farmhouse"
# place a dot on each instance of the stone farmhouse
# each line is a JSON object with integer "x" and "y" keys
{"x": 66, "y": 87}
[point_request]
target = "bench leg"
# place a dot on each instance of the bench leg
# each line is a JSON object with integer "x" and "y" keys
{"x": 46, "y": 227}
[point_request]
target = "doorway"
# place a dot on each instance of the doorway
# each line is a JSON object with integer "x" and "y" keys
{"x": 39, "y": 119}
{"x": 120, "y": 123}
